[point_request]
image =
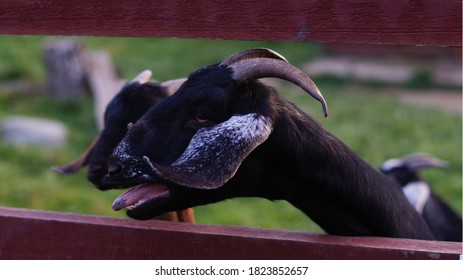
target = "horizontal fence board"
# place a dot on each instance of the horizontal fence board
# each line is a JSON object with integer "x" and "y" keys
{"x": 425, "y": 22}
{"x": 32, "y": 234}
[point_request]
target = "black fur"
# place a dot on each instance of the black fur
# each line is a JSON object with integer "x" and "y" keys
{"x": 443, "y": 221}
{"x": 127, "y": 106}
{"x": 300, "y": 161}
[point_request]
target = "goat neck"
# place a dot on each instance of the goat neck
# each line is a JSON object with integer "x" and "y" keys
{"x": 327, "y": 181}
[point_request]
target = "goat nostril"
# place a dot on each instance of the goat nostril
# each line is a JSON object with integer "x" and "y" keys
{"x": 114, "y": 169}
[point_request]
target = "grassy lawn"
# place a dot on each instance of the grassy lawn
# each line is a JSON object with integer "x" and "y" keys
{"x": 375, "y": 126}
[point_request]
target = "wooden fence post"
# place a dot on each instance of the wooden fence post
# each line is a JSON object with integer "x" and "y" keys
{"x": 65, "y": 66}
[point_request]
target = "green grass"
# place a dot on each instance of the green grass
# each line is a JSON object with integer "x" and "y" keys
{"x": 22, "y": 57}
{"x": 375, "y": 126}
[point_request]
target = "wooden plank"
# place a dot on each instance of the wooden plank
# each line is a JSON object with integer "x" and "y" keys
{"x": 28, "y": 234}
{"x": 103, "y": 82}
{"x": 423, "y": 22}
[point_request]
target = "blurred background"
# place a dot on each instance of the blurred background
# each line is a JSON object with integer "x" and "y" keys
{"x": 384, "y": 102}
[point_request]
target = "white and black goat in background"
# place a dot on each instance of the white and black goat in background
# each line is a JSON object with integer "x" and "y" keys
{"x": 444, "y": 222}
{"x": 224, "y": 134}
{"x": 127, "y": 106}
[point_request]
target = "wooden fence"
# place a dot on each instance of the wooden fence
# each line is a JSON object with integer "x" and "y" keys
{"x": 30, "y": 234}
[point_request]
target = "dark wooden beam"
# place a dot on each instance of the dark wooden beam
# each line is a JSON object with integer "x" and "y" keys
{"x": 430, "y": 22}
{"x": 29, "y": 234}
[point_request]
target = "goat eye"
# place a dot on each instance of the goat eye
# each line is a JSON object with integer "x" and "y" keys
{"x": 202, "y": 120}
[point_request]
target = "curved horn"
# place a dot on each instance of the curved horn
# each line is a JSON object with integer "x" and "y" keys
{"x": 173, "y": 85}
{"x": 251, "y": 53}
{"x": 418, "y": 161}
{"x": 256, "y": 68}
{"x": 78, "y": 163}
{"x": 142, "y": 78}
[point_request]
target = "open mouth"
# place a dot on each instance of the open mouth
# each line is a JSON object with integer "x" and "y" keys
{"x": 140, "y": 195}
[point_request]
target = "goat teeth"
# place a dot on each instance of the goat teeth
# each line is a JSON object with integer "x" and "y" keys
{"x": 133, "y": 206}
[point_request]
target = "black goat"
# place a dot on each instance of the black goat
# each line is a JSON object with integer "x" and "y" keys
{"x": 444, "y": 222}
{"x": 132, "y": 101}
{"x": 224, "y": 134}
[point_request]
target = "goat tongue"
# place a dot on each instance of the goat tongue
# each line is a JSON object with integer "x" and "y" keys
{"x": 140, "y": 194}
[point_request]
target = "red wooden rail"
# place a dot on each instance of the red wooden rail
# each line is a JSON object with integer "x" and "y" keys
{"x": 425, "y": 22}
{"x": 29, "y": 234}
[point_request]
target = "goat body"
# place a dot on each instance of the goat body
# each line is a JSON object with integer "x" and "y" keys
{"x": 194, "y": 144}
{"x": 443, "y": 221}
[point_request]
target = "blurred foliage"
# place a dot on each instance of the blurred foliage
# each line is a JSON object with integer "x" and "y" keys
{"x": 375, "y": 126}
{"x": 420, "y": 80}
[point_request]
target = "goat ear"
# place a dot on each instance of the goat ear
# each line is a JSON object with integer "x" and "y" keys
{"x": 173, "y": 85}
{"x": 78, "y": 163}
{"x": 215, "y": 153}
